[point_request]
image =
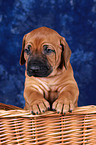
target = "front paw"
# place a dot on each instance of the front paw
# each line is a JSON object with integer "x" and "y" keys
{"x": 63, "y": 105}
{"x": 39, "y": 106}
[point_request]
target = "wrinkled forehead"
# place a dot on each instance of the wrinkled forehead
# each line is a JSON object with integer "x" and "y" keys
{"x": 43, "y": 35}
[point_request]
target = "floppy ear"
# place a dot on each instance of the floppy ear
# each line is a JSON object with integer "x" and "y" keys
{"x": 66, "y": 52}
{"x": 22, "y": 60}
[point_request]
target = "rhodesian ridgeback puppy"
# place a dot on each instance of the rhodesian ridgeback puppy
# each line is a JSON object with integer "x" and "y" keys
{"x": 49, "y": 82}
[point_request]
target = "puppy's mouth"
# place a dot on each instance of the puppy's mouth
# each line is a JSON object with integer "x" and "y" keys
{"x": 38, "y": 68}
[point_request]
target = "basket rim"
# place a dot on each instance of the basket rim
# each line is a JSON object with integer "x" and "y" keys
{"x": 91, "y": 109}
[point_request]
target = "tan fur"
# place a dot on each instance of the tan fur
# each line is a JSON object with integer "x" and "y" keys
{"x": 60, "y": 87}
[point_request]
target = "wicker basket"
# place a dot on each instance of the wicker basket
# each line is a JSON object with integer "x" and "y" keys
{"x": 20, "y": 127}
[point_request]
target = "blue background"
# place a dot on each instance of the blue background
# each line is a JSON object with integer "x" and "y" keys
{"x": 73, "y": 19}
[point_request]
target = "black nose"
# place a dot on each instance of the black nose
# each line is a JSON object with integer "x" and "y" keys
{"x": 34, "y": 68}
{"x": 38, "y": 67}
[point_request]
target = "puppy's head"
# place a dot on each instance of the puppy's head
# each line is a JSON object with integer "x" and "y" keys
{"x": 43, "y": 52}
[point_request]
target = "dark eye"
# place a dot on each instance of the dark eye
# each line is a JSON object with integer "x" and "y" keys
{"x": 47, "y": 50}
{"x": 27, "y": 50}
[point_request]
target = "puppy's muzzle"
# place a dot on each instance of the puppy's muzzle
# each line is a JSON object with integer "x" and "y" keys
{"x": 38, "y": 67}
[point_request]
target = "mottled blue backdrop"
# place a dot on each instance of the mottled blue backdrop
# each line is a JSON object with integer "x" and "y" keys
{"x": 73, "y": 19}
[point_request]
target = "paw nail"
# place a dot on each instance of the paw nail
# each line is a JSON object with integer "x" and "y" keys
{"x": 36, "y": 112}
{"x": 32, "y": 112}
{"x": 54, "y": 110}
{"x": 43, "y": 111}
{"x": 58, "y": 112}
{"x": 48, "y": 108}
{"x": 64, "y": 113}
{"x": 71, "y": 111}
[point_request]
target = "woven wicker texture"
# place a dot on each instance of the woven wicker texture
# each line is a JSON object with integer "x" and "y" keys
{"x": 22, "y": 128}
